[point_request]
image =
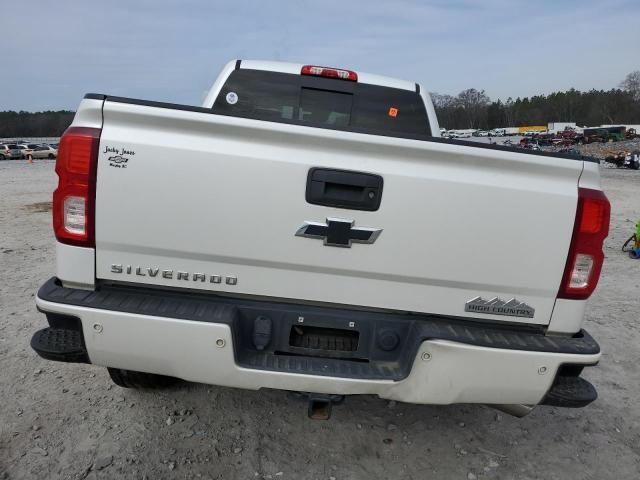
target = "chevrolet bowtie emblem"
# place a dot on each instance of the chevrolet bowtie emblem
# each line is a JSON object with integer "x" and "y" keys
{"x": 338, "y": 232}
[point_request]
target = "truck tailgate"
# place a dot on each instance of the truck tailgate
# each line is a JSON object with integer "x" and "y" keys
{"x": 217, "y": 201}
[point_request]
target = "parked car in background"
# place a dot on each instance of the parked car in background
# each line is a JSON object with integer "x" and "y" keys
{"x": 16, "y": 152}
{"x": 44, "y": 151}
{"x": 27, "y": 148}
{"x": 482, "y": 133}
{"x": 4, "y": 152}
{"x": 465, "y": 134}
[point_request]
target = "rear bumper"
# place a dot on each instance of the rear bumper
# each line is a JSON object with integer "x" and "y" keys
{"x": 204, "y": 339}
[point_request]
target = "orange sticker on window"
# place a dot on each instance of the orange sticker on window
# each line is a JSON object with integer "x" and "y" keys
{"x": 393, "y": 112}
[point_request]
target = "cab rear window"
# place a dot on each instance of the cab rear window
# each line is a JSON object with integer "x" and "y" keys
{"x": 323, "y": 103}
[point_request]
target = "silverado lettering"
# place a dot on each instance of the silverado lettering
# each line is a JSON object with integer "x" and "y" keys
{"x": 168, "y": 274}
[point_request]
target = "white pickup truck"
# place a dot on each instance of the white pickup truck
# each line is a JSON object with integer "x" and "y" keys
{"x": 307, "y": 229}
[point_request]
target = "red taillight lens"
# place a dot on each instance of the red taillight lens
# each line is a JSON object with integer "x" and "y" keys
{"x": 329, "y": 72}
{"x": 585, "y": 259}
{"x": 74, "y": 199}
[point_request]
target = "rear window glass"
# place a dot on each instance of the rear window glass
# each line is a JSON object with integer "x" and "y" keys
{"x": 323, "y": 102}
{"x": 322, "y": 107}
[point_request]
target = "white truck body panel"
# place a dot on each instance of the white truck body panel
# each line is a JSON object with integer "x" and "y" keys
{"x": 195, "y": 270}
{"x": 455, "y": 372}
{"x": 225, "y": 196}
{"x": 76, "y": 266}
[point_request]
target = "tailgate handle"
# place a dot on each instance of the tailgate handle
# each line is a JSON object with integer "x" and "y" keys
{"x": 344, "y": 189}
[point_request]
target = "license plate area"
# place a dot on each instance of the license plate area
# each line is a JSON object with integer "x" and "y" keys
{"x": 319, "y": 338}
{"x": 321, "y": 341}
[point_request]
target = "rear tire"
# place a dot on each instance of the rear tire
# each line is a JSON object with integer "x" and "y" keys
{"x": 51, "y": 156}
{"x": 2, "y": 157}
{"x": 133, "y": 379}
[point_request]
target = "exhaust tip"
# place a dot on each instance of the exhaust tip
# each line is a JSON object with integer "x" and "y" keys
{"x": 516, "y": 409}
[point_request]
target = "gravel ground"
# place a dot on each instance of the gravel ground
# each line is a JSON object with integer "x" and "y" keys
{"x": 60, "y": 421}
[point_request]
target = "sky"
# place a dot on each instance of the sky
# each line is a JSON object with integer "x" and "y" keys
{"x": 55, "y": 51}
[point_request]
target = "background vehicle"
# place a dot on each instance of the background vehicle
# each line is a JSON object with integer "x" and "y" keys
{"x": 460, "y": 133}
{"x": 624, "y": 159}
{"x": 630, "y": 134}
{"x": 545, "y": 139}
{"x": 533, "y": 133}
{"x": 295, "y": 237}
{"x": 596, "y": 135}
{"x": 570, "y": 136}
{"x": 529, "y": 143}
{"x": 464, "y": 133}
{"x": 26, "y": 148}
{"x": 44, "y": 151}
{"x": 558, "y": 127}
{"x": 616, "y": 134}
{"x": 4, "y": 152}
{"x": 16, "y": 151}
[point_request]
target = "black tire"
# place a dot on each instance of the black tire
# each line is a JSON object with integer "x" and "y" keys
{"x": 51, "y": 156}
{"x": 133, "y": 379}
{"x": 2, "y": 157}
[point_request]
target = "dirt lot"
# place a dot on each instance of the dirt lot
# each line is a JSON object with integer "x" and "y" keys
{"x": 68, "y": 421}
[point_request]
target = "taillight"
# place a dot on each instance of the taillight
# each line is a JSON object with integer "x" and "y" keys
{"x": 74, "y": 199}
{"x": 329, "y": 72}
{"x": 585, "y": 259}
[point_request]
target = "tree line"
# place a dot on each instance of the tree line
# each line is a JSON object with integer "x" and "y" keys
{"x": 472, "y": 108}
{"x": 34, "y": 124}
